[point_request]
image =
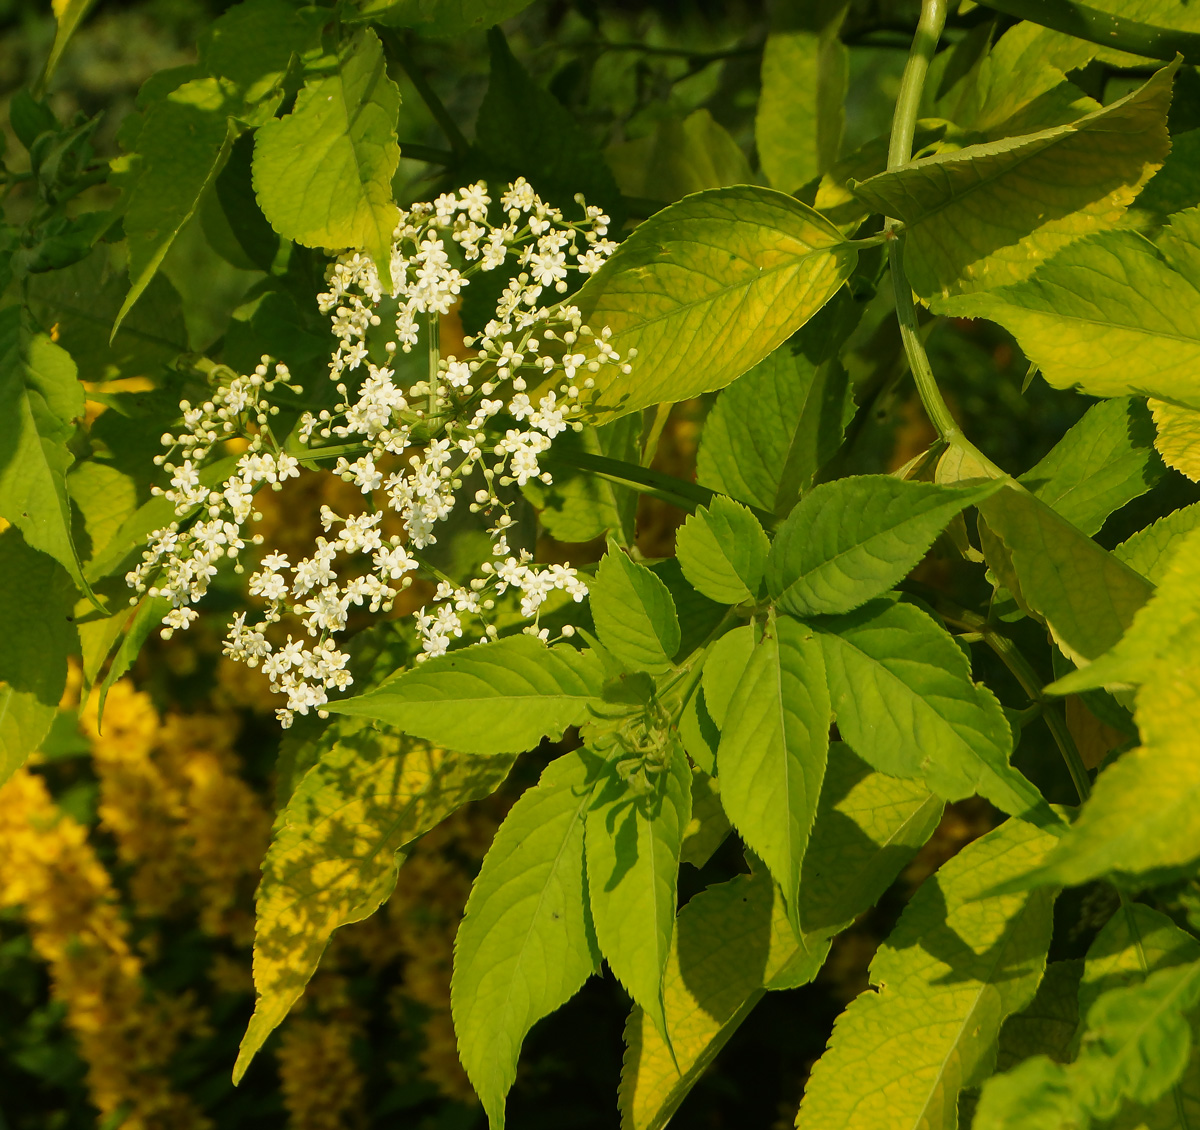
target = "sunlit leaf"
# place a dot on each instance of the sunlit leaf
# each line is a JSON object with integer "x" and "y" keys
{"x": 634, "y": 614}
{"x": 501, "y": 697}
{"x": 1178, "y": 438}
{"x": 1149, "y": 551}
{"x": 526, "y": 942}
{"x": 334, "y": 855}
{"x": 323, "y": 173}
{"x": 708, "y": 827}
{"x": 722, "y": 550}
{"x": 706, "y": 288}
{"x": 771, "y": 760}
{"x": 945, "y": 979}
{"x": 987, "y": 214}
{"x": 632, "y": 844}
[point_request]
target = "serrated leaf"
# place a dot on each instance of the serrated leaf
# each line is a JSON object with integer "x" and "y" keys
{"x": 335, "y": 852}
{"x": 986, "y": 215}
{"x": 634, "y": 613}
{"x": 952, "y": 970}
{"x": 182, "y": 145}
{"x": 708, "y": 287}
{"x": 632, "y": 846}
{"x": 868, "y": 826}
{"x": 439, "y": 17}
{"x": 904, "y": 701}
{"x": 1112, "y": 314}
{"x": 1086, "y": 596}
{"x": 40, "y": 399}
{"x": 730, "y": 941}
{"x": 1149, "y": 551}
{"x": 526, "y": 942}
{"x": 852, "y": 539}
{"x": 1178, "y": 437}
{"x": 773, "y": 750}
{"x": 36, "y": 602}
{"x": 772, "y": 429}
{"x": 501, "y": 697}
{"x": 722, "y": 551}
{"x": 1104, "y": 461}
{"x": 801, "y": 110}
{"x": 323, "y": 173}
{"x": 734, "y": 940}
{"x": 1144, "y": 812}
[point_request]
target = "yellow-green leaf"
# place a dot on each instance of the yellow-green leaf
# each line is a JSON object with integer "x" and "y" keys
{"x": 950, "y": 972}
{"x": 708, "y": 287}
{"x": 335, "y": 853}
{"x": 988, "y": 214}
{"x": 1178, "y": 439}
{"x": 323, "y": 173}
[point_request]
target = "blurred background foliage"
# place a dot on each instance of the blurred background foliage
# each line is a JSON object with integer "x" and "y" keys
{"x": 131, "y": 854}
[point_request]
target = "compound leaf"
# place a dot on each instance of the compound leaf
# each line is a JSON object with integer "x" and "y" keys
{"x": 501, "y": 697}
{"x": 634, "y": 613}
{"x": 526, "y": 942}
{"x": 335, "y": 852}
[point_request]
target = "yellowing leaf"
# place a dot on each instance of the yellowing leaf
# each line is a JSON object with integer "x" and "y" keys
{"x": 950, "y": 972}
{"x": 334, "y": 855}
{"x": 987, "y": 214}
{"x": 1178, "y": 439}
{"x": 1113, "y": 314}
{"x": 708, "y": 287}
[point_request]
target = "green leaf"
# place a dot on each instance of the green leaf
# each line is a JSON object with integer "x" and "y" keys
{"x": 501, "y": 697}
{"x": 1177, "y": 437}
{"x": 83, "y": 300}
{"x": 68, "y": 15}
{"x": 723, "y": 551}
{"x": 731, "y": 941}
{"x": 252, "y": 44}
{"x": 36, "y": 602}
{"x": 853, "y": 539}
{"x": 1112, "y": 314}
{"x": 182, "y": 145}
{"x": 1144, "y": 812}
{"x": 771, "y": 760}
{"x": 772, "y": 429}
{"x": 867, "y": 828}
{"x": 681, "y": 156}
{"x": 40, "y": 399}
{"x": 148, "y": 616}
{"x": 323, "y": 173}
{"x": 988, "y": 214}
{"x": 707, "y": 288}
{"x": 559, "y": 158}
{"x": 335, "y": 852}
{"x": 903, "y": 698}
{"x": 950, "y": 972}
{"x": 1046, "y": 1026}
{"x": 708, "y": 827}
{"x": 632, "y": 844}
{"x": 1086, "y": 596}
{"x": 1104, "y": 461}
{"x": 700, "y": 728}
{"x": 105, "y": 497}
{"x": 801, "y": 110}
{"x": 439, "y": 17}
{"x": 1150, "y": 551}
{"x": 634, "y": 614}
{"x": 526, "y": 942}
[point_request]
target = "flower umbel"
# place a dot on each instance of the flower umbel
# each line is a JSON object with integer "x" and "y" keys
{"x": 410, "y": 446}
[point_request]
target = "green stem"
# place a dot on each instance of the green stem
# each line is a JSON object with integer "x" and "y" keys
{"x": 1012, "y": 658}
{"x": 433, "y": 325}
{"x": 904, "y": 126}
{"x": 1103, "y": 28}
{"x": 396, "y": 47}
{"x": 415, "y": 152}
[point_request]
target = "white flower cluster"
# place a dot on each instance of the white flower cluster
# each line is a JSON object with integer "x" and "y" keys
{"x": 410, "y": 448}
